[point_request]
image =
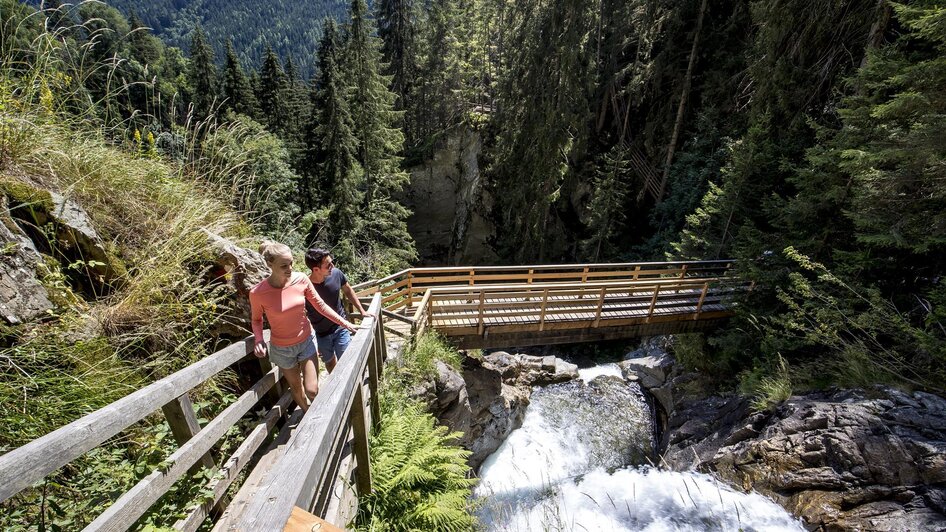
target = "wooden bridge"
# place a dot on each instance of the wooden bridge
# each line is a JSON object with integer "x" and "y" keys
{"x": 306, "y": 470}
{"x": 502, "y": 306}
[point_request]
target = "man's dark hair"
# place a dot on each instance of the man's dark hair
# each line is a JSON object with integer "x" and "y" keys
{"x": 314, "y": 257}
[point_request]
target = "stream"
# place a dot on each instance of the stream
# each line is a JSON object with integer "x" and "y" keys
{"x": 583, "y": 460}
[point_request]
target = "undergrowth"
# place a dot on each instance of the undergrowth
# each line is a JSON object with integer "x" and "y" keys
{"x": 420, "y": 480}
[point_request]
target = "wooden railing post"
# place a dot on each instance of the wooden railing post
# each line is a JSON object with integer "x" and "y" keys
{"x": 360, "y": 429}
{"x": 653, "y": 303}
{"x": 683, "y": 271}
{"x": 374, "y": 374}
{"x": 184, "y": 425}
{"x": 545, "y": 302}
{"x": 410, "y": 288}
{"x": 481, "y": 324}
{"x": 637, "y": 270}
{"x": 273, "y": 395}
{"x": 604, "y": 290}
{"x": 699, "y": 306}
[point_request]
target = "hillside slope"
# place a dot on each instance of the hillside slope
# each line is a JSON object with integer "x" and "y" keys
{"x": 291, "y": 28}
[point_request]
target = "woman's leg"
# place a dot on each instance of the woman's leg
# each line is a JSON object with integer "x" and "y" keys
{"x": 294, "y": 379}
{"x": 310, "y": 377}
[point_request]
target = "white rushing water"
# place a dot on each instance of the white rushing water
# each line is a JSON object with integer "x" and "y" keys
{"x": 577, "y": 463}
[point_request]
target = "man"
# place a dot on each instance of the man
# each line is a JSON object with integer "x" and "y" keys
{"x": 329, "y": 281}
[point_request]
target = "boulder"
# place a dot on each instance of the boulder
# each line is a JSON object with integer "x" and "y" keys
{"x": 22, "y": 296}
{"x": 240, "y": 269}
{"x": 528, "y": 370}
{"x": 842, "y": 460}
{"x": 496, "y": 408}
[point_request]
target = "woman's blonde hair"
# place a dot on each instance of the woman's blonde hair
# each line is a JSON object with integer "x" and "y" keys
{"x": 270, "y": 249}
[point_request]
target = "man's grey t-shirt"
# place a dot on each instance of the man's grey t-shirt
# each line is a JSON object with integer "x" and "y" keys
{"x": 330, "y": 292}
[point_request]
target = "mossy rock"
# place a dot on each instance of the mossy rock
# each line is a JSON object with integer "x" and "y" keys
{"x": 23, "y": 195}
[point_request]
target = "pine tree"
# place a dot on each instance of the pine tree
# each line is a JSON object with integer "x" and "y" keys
{"x": 273, "y": 88}
{"x": 330, "y": 153}
{"x": 543, "y": 120}
{"x": 297, "y": 108}
{"x": 397, "y": 28}
{"x": 379, "y": 141}
{"x": 235, "y": 88}
{"x": 606, "y": 210}
{"x": 202, "y": 75}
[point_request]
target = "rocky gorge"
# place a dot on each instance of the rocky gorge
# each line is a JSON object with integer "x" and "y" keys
{"x": 840, "y": 460}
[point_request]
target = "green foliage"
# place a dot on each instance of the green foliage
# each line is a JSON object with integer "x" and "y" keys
{"x": 254, "y": 165}
{"x": 767, "y": 386}
{"x": 866, "y": 338}
{"x": 606, "y": 209}
{"x": 235, "y": 88}
{"x": 420, "y": 479}
{"x": 426, "y": 349}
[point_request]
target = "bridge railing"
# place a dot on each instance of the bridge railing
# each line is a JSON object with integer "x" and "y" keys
{"x": 27, "y": 465}
{"x": 535, "y": 307}
{"x": 406, "y": 288}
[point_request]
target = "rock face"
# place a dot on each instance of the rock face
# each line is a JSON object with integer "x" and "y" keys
{"x": 488, "y": 399}
{"x": 528, "y": 370}
{"x": 843, "y": 460}
{"x": 22, "y": 297}
{"x": 847, "y": 461}
{"x": 448, "y": 220}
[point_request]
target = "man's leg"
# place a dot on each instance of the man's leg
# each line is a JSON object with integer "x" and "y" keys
{"x": 327, "y": 351}
{"x": 342, "y": 340}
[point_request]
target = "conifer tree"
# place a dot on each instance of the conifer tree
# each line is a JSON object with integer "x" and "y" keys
{"x": 202, "y": 75}
{"x": 273, "y": 88}
{"x": 606, "y": 210}
{"x": 397, "y": 27}
{"x": 297, "y": 108}
{"x": 235, "y": 88}
{"x": 330, "y": 154}
{"x": 378, "y": 143}
{"x": 543, "y": 115}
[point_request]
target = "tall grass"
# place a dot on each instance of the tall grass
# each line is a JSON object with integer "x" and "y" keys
{"x": 153, "y": 216}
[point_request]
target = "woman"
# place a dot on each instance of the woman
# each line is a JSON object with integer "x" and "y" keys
{"x": 281, "y": 298}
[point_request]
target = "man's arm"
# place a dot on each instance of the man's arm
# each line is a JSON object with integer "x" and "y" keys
{"x": 350, "y": 294}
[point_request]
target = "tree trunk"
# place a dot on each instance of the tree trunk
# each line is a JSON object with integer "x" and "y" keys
{"x": 683, "y": 101}
{"x": 876, "y": 36}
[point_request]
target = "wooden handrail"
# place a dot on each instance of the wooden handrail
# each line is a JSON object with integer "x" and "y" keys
{"x": 295, "y": 479}
{"x": 27, "y": 465}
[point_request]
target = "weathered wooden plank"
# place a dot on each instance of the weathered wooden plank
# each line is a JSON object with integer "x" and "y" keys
{"x": 136, "y": 501}
{"x": 182, "y": 420}
{"x": 237, "y": 461}
{"x": 360, "y": 428}
{"x": 26, "y": 465}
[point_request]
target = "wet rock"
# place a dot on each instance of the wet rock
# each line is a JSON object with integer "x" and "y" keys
{"x": 843, "y": 460}
{"x": 529, "y": 370}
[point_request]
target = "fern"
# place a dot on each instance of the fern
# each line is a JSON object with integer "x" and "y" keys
{"x": 420, "y": 480}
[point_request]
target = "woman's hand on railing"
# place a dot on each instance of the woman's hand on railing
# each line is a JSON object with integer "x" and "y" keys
{"x": 260, "y": 350}
{"x": 350, "y": 326}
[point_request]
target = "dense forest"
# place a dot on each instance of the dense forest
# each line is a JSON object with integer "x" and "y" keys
{"x": 292, "y": 29}
{"x": 806, "y": 139}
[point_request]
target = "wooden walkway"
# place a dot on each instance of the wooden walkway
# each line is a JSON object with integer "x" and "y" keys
{"x": 307, "y": 471}
{"x": 491, "y": 307}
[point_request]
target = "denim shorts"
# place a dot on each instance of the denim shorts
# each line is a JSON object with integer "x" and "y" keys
{"x": 290, "y": 356}
{"x": 334, "y": 344}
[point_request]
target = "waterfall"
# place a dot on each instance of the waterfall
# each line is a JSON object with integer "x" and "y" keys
{"x": 582, "y": 460}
